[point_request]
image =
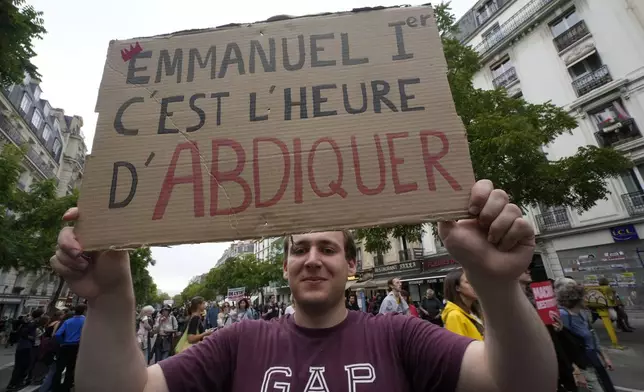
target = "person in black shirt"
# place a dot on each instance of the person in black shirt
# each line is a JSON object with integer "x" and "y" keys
{"x": 271, "y": 310}
{"x": 352, "y": 304}
{"x": 196, "y": 331}
{"x": 431, "y": 307}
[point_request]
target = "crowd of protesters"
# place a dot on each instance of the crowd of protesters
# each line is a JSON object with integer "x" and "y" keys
{"x": 46, "y": 349}
{"x": 583, "y": 364}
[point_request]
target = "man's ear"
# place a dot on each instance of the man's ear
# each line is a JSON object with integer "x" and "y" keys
{"x": 285, "y": 267}
{"x": 352, "y": 267}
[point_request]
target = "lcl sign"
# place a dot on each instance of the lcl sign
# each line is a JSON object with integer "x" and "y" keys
{"x": 624, "y": 233}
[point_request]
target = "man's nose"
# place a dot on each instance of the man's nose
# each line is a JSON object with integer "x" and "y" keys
{"x": 314, "y": 257}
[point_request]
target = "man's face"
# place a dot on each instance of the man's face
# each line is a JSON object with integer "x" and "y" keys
{"x": 272, "y": 299}
{"x": 352, "y": 299}
{"x": 430, "y": 293}
{"x": 317, "y": 269}
{"x": 396, "y": 285}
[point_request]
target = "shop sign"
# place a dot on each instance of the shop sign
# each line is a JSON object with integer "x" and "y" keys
{"x": 396, "y": 269}
{"x": 36, "y": 303}
{"x": 624, "y": 233}
{"x": 432, "y": 264}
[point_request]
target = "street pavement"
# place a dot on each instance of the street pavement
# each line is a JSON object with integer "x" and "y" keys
{"x": 629, "y": 362}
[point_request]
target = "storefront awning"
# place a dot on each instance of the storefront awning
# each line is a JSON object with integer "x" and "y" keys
{"x": 435, "y": 275}
{"x": 377, "y": 284}
{"x": 349, "y": 284}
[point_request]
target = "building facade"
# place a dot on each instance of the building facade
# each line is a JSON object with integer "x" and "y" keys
{"x": 55, "y": 149}
{"x": 236, "y": 249}
{"x": 585, "y": 56}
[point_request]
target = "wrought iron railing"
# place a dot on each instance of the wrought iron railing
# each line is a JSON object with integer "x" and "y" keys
{"x": 552, "y": 220}
{"x": 40, "y": 163}
{"x": 627, "y": 130}
{"x": 505, "y": 78}
{"x": 592, "y": 80}
{"x": 571, "y": 36}
{"x": 11, "y": 131}
{"x": 516, "y": 22}
{"x": 634, "y": 202}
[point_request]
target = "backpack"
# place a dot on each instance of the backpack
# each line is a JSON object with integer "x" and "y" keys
{"x": 574, "y": 345}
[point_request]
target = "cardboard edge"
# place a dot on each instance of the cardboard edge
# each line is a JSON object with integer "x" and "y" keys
{"x": 276, "y": 18}
{"x": 440, "y": 217}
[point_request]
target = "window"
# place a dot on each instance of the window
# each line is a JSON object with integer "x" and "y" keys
{"x": 378, "y": 259}
{"x": 500, "y": 69}
{"x": 631, "y": 182}
{"x": 564, "y": 24}
{"x": 614, "y": 124}
{"x": 47, "y": 109}
{"x": 46, "y": 133}
{"x": 57, "y": 127}
{"x": 25, "y": 105}
{"x": 486, "y": 11}
{"x": 493, "y": 35}
{"x": 584, "y": 67}
{"x": 37, "y": 92}
{"x": 57, "y": 146}
{"x": 36, "y": 119}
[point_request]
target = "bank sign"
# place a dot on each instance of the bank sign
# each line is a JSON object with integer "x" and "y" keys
{"x": 624, "y": 233}
{"x": 396, "y": 269}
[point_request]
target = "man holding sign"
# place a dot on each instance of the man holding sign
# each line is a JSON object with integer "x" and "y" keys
{"x": 325, "y": 347}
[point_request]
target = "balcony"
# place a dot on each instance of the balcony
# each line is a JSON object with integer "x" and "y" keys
{"x": 615, "y": 134}
{"x": 571, "y": 36}
{"x": 553, "y": 220}
{"x": 512, "y": 25}
{"x": 11, "y": 131}
{"x": 40, "y": 163}
{"x": 592, "y": 80}
{"x": 634, "y": 203}
{"x": 506, "y": 78}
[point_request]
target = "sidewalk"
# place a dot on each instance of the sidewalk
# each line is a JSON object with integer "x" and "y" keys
{"x": 628, "y": 362}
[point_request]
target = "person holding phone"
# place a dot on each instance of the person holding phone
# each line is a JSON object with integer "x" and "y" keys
{"x": 196, "y": 330}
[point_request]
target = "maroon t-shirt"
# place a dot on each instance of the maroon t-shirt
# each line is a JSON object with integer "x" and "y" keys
{"x": 363, "y": 353}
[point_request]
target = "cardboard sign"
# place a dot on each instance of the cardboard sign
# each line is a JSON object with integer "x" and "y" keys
{"x": 236, "y": 293}
{"x": 545, "y": 300}
{"x": 246, "y": 131}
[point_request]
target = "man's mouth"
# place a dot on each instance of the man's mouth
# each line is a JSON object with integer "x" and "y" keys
{"x": 314, "y": 279}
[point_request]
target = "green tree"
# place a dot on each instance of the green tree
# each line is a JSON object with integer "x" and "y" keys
{"x": 506, "y": 136}
{"x": 29, "y": 220}
{"x": 145, "y": 290}
{"x": 19, "y": 25}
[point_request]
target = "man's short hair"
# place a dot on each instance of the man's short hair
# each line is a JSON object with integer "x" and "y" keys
{"x": 80, "y": 309}
{"x": 350, "y": 249}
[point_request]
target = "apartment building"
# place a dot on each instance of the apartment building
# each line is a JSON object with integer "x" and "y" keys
{"x": 55, "y": 150}
{"x": 585, "y": 56}
{"x": 236, "y": 249}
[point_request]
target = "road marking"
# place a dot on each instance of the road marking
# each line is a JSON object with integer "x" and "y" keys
{"x": 10, "y": 364}
{"x": 628, "y": 389}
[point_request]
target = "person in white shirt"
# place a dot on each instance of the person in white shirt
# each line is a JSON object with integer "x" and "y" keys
{"x": 165, "y": 326}
{"x": 291, "y": 308}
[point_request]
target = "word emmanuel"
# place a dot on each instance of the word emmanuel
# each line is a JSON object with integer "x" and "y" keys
{"x": 293, "y": 57}
{"x": 295, "y": 162}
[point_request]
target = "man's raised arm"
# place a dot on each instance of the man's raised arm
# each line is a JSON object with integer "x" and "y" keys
{"x": 495, "y": 248}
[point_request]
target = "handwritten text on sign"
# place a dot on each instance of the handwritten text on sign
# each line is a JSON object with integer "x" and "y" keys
{"x": 276, "y": 127}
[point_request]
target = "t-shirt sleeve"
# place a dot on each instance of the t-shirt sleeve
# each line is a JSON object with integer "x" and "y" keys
{"x": 431, "y": 355}
{"x": 207, "y": 366}
{"x": 193, "y": 326}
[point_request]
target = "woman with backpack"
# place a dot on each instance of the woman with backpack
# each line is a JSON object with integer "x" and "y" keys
{"x": 165, "y": 326}
{"x": 576, "y": 320}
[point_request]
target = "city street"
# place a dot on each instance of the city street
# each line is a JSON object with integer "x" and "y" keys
{"x": 628, "y": 362}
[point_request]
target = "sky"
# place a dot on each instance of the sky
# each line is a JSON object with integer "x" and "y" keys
{"x": 71, "y": 57}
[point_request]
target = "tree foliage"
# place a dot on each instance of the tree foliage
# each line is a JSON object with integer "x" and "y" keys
{"x": 29, "y": 220}
{"x": 145, "y": 290}
{"x": 241, "y": 271}
{"x": 19, "y": 25}
{"x": 506, "y": 137}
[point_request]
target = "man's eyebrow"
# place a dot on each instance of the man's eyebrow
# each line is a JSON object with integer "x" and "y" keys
{"x": 300, "y": 242}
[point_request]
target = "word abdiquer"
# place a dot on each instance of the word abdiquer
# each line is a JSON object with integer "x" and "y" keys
{"x": 298, "y": 167}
